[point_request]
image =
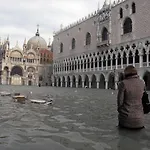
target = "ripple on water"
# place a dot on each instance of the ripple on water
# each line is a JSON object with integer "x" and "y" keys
{"x": 62, "y": 119}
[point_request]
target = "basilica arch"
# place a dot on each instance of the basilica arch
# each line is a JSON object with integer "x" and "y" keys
{"x": 6, "y": 75}
{"x": 16, "y": 75}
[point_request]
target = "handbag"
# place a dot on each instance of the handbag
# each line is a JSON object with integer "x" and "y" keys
{"x": 145, "y": 103}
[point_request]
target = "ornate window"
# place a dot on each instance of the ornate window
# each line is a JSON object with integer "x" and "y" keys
{"x": 133, "y": 8}
{"x": 104, "y": 34}
{"x": 127, "y": 26}
{"x": 88, "y": 38}
{"x": 73, "y": 43}
{"x": 61, "y": 47}
{"x": 121, "y": 13}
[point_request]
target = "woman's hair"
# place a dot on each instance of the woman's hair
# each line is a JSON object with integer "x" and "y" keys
{"x": 130, "y": 71}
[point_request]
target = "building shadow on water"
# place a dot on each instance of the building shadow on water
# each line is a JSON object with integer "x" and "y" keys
{"x": 132, "y": 139}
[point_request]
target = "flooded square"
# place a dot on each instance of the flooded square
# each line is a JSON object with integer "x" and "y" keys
{"x": 79, "y": 119}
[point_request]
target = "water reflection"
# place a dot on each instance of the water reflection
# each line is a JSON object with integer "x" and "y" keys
{"x": 81, "y": 120}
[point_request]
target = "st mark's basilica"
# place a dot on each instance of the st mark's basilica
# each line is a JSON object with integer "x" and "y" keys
{"x": 29, "y": 65}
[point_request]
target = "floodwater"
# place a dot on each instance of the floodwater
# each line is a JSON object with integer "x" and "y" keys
{"x": 79, "y": 119}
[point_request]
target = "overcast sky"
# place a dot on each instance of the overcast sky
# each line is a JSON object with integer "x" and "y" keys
{"x": 19, "y": 18}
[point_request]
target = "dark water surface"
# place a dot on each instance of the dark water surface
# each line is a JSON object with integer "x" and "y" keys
{"x": 79, "y": 119}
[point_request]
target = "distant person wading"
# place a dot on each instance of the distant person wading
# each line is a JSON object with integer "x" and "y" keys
{"x": 129, "y": 100}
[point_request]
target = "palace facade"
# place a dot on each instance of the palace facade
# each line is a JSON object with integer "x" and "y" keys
{"x": 94, "y": 51}
{"x": 31, "y": 65}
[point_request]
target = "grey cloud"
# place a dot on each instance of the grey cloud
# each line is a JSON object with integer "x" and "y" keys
{"x": 25, "y": 14}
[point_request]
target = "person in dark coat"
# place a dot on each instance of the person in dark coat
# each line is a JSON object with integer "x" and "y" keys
{"x": 129, "y": 100}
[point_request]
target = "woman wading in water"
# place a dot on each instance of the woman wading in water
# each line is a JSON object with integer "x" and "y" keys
{"x": 129, "y": 100}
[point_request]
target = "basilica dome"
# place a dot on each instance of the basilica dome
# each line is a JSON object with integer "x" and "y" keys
{"x": 36, "y": 42}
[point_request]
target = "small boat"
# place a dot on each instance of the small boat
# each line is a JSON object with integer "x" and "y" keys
{"x": 19, "y": 98}
{"x": 38, "y": 101}
{"x": 4, "y": 93}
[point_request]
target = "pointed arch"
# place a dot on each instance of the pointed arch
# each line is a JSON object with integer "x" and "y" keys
{"x": 137, "y": 59}
{"x": 130, "y": 57}
{"x": 63, "y": 81}
{"x": 73, "y": 81}
{"x": 86, "y": 82}
{"x": 68, "y": 81}
{"x": 124, "y": 58}
{"x": 111, "y": 81}
{"x": 102, "y": 82}
{"x": 133, "y": 8}
{"x": 73, "y": 43}
{"x": 59, "y": 82}
{"x": 88, "y": 38}
{"x": 127, "y": 26}
{"x": 79, "y": 81}
{"x": 121, "y": 13}
{"x": 61, "y": 47}
{"x": 104, "y": 34}
{"x": 93, "y": 81}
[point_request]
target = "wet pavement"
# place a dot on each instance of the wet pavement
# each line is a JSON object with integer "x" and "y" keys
{"x": 79, "y": 119}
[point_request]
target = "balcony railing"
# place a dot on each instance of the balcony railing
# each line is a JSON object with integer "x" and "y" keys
{"x": 103, "y": 43}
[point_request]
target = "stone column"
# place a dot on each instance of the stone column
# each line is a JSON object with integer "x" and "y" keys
{"x": 90, "y": 84}
{"x": 111, "y": 63}
{"x": 133, "y": 60}
{"x": 98, "y": 84}
{"x": 121, "y": 62}
{"x": 76, "y": 84}
{"x": 106, "y": 84}
{"x": 65, "y": 83}
{"x": 106, "y": 64}
{"x": 147, "y": 59}
{"x": 82, "y": 84}
{"x": 141, "y": 60}
{"x": 71, "y": 84}
{"x": 127, "y": 59}
{"x": 116, "y": 62}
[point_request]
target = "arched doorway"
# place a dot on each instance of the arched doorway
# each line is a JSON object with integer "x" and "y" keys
{"x": 16, "y": 75}
{"x": 6, "y": 75}
{"x": 59, "y": 82}
{"x": 68, "y": 81}
{"x": 102, "y": 82}
{"x": 30, "y": 83}
{"x": 73, "y": 81}
{"x": 146, "y": 78}
{"x": 86, "y": 82}
{"x": 80, "y": 81}
{"x": 63, "y": 81}
{"x": 93, "y": 83}
{"x": 111, "y": 81}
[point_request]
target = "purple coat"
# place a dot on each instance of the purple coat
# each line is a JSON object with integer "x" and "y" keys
{"x": 129, "y": 101}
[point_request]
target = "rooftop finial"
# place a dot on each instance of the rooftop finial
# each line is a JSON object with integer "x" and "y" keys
{"x": 37, "y": 33}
